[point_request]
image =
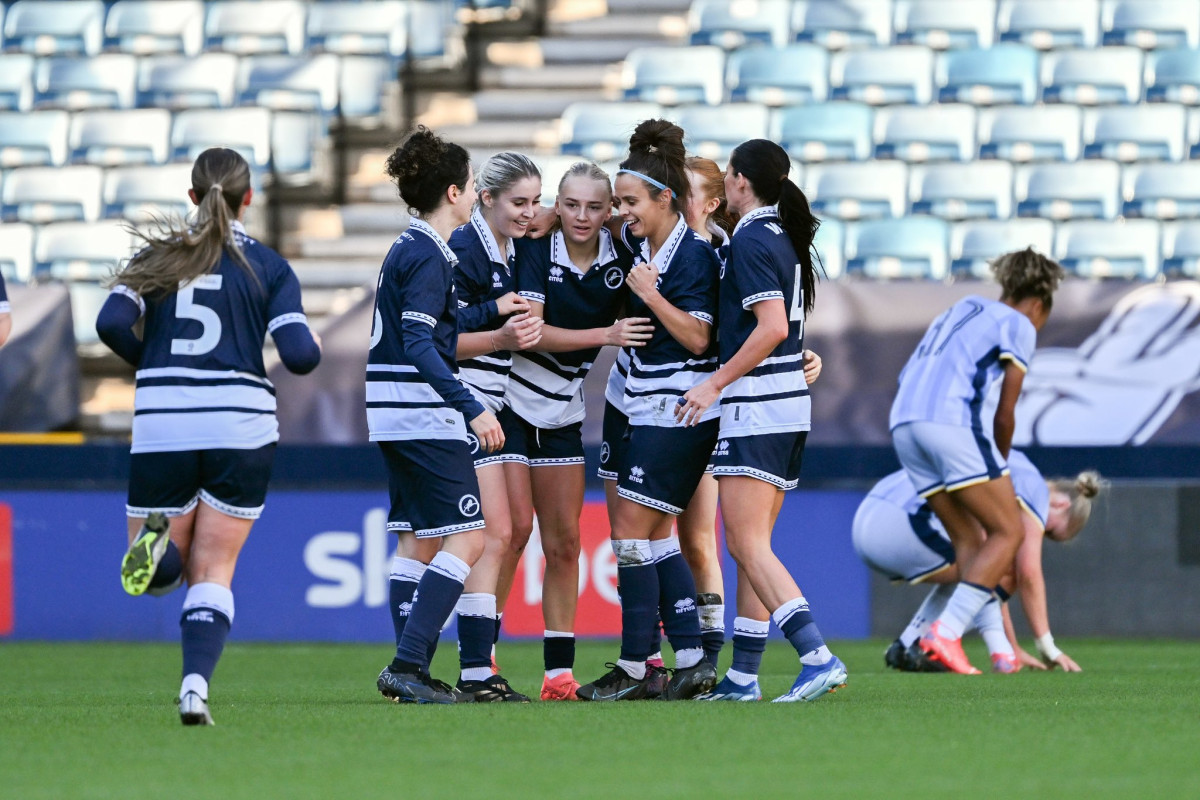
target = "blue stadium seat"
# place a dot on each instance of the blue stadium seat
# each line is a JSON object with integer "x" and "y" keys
{"x": 999, "y": 75}
{"x": 287, "y": 83}
{"x": 1173, "y": 76}
{"x": 837, "y": 24}
{"x": 1099, "y": 249}
{"x": 902, "y": 74}
{"x": 247, "y": 130}
{"x": 926, "y": 133}
{"x": 913, "y": 247}
{"x": 829, "y": 243}
{"x": 16, "y": 82}
{"x": 54, "y": 27}
{"x": 1162, "y": 191}
{"x": 295, "y": 137}
{"x": 1151, "y": 24}
{"x": 178, "y": 82}
{"x": 974, "y": 244}
{"x": 939, "y": 25}
{"x": 730, "y": 24}
{"x": 1181, "y": 250}
{"x": 1135, "y": 133}
{"x": 16, "y": 252}
{"x": 82, "y": 251}
{"x": 104, "y": 81}
{"x": 788, "y": 75}
{"x": 1101, "y": 76}
{"x": 134, "y": 193}
{"x": 344, "y": 29}
{"x": 150, "y": 27}
{"x": 251, "y": 27}
{"x": 362, "y": 82}
{"x": 1036, "y": 133}
{"x": 51, "y": 194}
{"x": 857, "y": 191}
{"x": 1048, "y": 24}
{"x": 674, "y": 75}
{"x": 963, "y": 191}
{"x": 118, "y": 138}
{"x": 1083, "y": 190}
{"x": 601, "y": 131}
{"x": 713, "y": 131}
{"x": 432, "y": 22}
{"x": 34, "y": 138}
{"x": 825, "y": 132}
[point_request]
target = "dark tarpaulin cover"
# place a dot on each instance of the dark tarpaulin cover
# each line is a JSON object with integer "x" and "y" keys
{"x": 39, "y": 371}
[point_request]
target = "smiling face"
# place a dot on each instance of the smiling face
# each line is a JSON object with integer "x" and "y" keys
{"x": 510, "y": 212}
{"x": 644, "y": 212}
{"x": 582, "y": 206}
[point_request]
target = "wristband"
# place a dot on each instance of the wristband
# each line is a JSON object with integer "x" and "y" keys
{"x": 1045, "y": 646}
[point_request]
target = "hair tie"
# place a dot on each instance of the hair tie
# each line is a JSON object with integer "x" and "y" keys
{"x": 218, "y": 187}
{"x": 651, "y": 149}
{"x": 649, "y": 180}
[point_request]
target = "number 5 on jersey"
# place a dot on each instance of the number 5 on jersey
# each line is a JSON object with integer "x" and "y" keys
{"x": 186, "y": 307}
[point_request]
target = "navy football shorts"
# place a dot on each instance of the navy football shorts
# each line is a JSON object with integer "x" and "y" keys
{"x": 233, "y": 482}
{"x": 545, "y": 447}
{"x": 771, "y": 457}
{"x": 510, "y": 423}
{"x": 432, "y": 487}
{"x": 663, "y": 466}
{"x": 612, "y": 442}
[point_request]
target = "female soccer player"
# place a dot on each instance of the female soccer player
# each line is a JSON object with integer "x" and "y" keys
{"x": 896, "y": 534}
{"x": 956, "y": 458}
{"x": 767, "y": 290}
{"x": 204, "y": 428}
{"x": 674, "y": 284}
{"x": 418, "y": 411}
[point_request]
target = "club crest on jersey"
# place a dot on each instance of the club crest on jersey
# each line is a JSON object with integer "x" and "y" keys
{"x": 636, "y": 474}
{"x": 473, "y": 443}
{"x": 556, "y": 273}
{"x": 605, "y": 452}
{"x": 614, "y": 278}
{"x": 468, "y": 505}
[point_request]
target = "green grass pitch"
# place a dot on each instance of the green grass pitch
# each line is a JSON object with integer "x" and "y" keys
{"x": 304, "y": 721}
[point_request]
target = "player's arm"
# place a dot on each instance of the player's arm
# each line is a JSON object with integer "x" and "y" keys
{"x": 627, "y": 332}
{"x": 298, "y": 346}
{"x": 114, "y": 325}
{"x": 686, "y": 327}
{"x": 1005, "y": 421}
{"x": 1031, "y": 584}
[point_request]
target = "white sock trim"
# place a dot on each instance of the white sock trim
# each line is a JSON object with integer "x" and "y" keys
{"x": 712, "y": 618}
{"x": 558, "y": 635}
{"x": 634, "y": 669}
{"x": 741, "y": 678}
{"x": 476, "y": 673}
{"x": 476, "y": 604}
{"x": 745, "y": 626}
{"x": 407, "y": 569}
{"x": 788, "y": 609}
{"x": 688, "y": 657}
{"x": 664, "y": 548}
{"x": 194, "y": 682}
{"x": 210, "y": 595}
{"x": 632, "y": 552}
{"x": 451, "y": 566}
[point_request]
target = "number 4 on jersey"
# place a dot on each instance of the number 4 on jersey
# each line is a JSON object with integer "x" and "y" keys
{"x": 186, "y": 307}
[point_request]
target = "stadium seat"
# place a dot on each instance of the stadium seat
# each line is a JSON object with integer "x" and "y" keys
{"x": 1083, "y": 190}
{"x": 362, "y": 83}
{"x": 829, "y": 243}
{"x": 674, "y": 75}
{"x": 1181, "y": 250}
{"x": 150, "y": 27}
{"x": 779, "y": 76}
{"x": 1098, "y": 249}
{"x": 925, "y": 133}
{"x": 1162, "y": 191}
{"x": 1135, "y": 133}
{"x": 34, "y": 138}
{"x": 939, "y": 25}
{"x": 117, "y": 138}
{"x": 247, "y": 130}
{"x": 1048, "y": 24}
{"x": 1004, "y": 74}
{"x": 1173, "y": 76}
{"x": 51, "y": 194}
{"x": 342, "y": 28}
{"x": 82, "y": 251}
{"x": 962, "y": 191}
{"x": 134, "y": 193}
{"x": 1092, "y": 77}
{"x": 837, "y": 24}
{"x": 730, "y": 24}
{"x": 54, "y": 27}
{"x": 901, "y": 74}
{"x": 552, "y": 169}
{"x": 600, "y": 131}
{"x": 255, "y": 27}
{"x": 913, "y": 247}
{"x": 1036, "y": 133}
{"x": 1151, "y": 24}
{"x": 713, "y": 131}
{"x": 16, "y": 252}
{"x": 104, "y": 81}
{"x": 16, "y": 82}
{"x": 295, "y": 139}
{"x": 825, "y": 132}
{"x": 433, "y": 29}
{"x": 857, "y": 191}
{"x": 86, "y": 301}
{"x": 974, "y": 244}
{"x": 178, "y": 82}
{"x": 286, "y": 83}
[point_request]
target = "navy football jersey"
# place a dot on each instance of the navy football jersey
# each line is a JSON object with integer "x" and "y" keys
{"x": 546, "y": 389}
{"x": 200, "y": 383}
{"x": 482, "y": 276}
{"x": 762, "y": 265}
{"x": 413, "y": 391}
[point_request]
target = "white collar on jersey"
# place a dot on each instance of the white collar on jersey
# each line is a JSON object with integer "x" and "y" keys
{"x": 238, "y": 227}
{"x": 662, "y": 259}
{"x": 415, "y": 224}
{"x": 560, "y": 256}
{"x": 717, "y": 231}
{"x": 758, "y": 213}
{"x": 484, "y": 232}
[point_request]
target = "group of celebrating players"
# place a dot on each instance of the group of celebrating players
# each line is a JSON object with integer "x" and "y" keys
{"x": 489, "y": 312}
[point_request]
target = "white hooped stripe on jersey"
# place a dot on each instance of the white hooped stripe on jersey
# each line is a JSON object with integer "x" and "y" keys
{"x": 286, "y": 319}
{"x": 614, "y": 390}
{"x": 758, "y": 213}
{"x": 198, "y": 398}
{"x": 424, "y": 227}
{"x": 417, "y": 316}
{"x": 179, "y": 408}
{"x": 200, "y": 374}
{"x": 484, "y": 232}
{"x": 545, "y": 392}
{"x": 758, "y": 298}
{"x": 125, "y": 291}
{"x": 407, "y": 393}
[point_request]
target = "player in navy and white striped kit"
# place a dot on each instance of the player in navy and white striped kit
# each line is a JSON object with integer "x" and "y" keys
{"x": 5, "y": 314}
{"x": 204, "y": 427}
{"x": 954, "y": 452}
{"x": 418, "y": 411}
{"x": 767, "y": 290}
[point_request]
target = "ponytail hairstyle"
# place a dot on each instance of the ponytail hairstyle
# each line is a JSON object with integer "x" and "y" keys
{"x": 1081, "y": 490}
{"x": 177, "y": 252}
{"x": 1027, "y": 273}
{"x": 502, "y": 171}
{"x": 714, "y": 186}
{"x": 656, "y": 151}
{"x": 424, "y": 166}
{"x": 766, "y": 166}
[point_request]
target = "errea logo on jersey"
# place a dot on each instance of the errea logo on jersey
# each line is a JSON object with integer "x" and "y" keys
{"x": 556, "y": 273}
{"x": 636, "y": 474}
{"x": 685, "y": 605}
{"x": 496, "y": 282}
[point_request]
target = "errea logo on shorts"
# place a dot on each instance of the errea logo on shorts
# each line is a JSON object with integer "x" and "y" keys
{"x": 468, "y": 505}
{"x": 605, "y": 452}
{"x": 685, "y": 605}
{"x": 614, "y": 278}
{"x": 636, "y": 474}
{"x": 556, "y": 273}
{"x": 723, "y": 447}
